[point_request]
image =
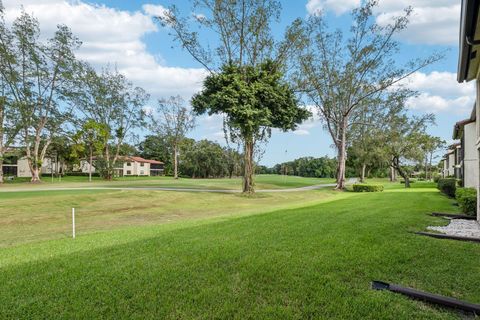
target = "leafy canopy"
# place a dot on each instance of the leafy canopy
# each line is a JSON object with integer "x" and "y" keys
{"x": 253, "y": 100}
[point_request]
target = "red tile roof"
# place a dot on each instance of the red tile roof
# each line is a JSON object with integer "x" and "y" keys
{"x": 140, "y": 159}
{"x": 135, "y": 159}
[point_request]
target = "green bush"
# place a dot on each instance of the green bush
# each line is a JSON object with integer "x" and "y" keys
{"x": 363, "y": 187}
{"x": 447, "y": 186}
{"x": 467, "y": 200}
{"x": 436, "y": 177}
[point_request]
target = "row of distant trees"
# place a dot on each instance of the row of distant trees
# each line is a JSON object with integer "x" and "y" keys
{"x": 196, "y": 159}
{"x": 372, "y": 157}
{"x": 323, "y": 167}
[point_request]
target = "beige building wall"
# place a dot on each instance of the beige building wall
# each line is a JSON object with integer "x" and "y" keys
{"x": 477, "y": 142}
{"x": 451, "y": 165}
{"x": 23, "y": 170}
{"x": 134, "y": 168}
{"x": 85, "y": 166}
{"x": 470, "y": 160}
{"x": 129, "y": 168}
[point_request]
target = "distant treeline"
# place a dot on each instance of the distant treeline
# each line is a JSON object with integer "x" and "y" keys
{"x": 197, "y": 159}
{"x": 323, "y": 167}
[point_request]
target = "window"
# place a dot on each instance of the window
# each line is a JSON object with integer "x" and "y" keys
{"x": 129, "y": 172}
{"x": 142, "y": 172}
{"x": 129, "y": 164}
{"x": 142, "y": 164}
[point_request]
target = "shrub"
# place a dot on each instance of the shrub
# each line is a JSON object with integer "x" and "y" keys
{"x": 467, "y": 200}
{"x": 436, "y": 177}
{"x": 447, "y": 186}
{"x": 363, "y": 187}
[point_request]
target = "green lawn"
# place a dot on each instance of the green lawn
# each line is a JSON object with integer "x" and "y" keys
{"x": 32, "y": 216}
{"x": 315, "y": 261}
{"x": 262, "y": 182}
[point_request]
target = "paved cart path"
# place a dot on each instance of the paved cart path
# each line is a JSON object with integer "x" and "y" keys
{"x": 314, "y": 187}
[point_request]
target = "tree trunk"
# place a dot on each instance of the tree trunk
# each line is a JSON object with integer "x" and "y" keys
{"x": 90, "y": 166}
{"x": 362, "y": 175}
{"x": 108, "y": 164}
{"x": 393, "y": 177}
{"x": 1, "y": 167}
{"x": 175, "y": 162}
{"x": 342, "y": 157}
{"x": 248, "y": 184}
{"x": 35, "y": 174}
{"x": 430, "y": 167}
{"x": 402, "y": 173}
{"x": 426, "y": 167}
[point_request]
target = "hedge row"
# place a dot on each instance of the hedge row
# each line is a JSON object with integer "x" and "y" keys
{"x": 362, "y": 187}
{"x": 467, "y": 200}
{"x": 447, "y": 186}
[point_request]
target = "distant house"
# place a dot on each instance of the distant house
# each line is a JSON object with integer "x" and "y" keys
{"x": 450, "y": 164}
{"x": 457, "y": 160}
{"x": 131, "y": 166}
{"x": 15, "y": 166}
{"x": 465, "y": 131}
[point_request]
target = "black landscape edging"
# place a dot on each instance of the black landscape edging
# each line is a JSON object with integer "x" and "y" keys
{"x": 429, "y": 297}
{"x": 453, "y": 215}
{"x": 446, "y": 236}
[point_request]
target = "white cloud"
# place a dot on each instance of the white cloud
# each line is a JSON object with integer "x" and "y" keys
{"x": 440, "y": 83}
{"x": 314, "y": 121}
{"x": 315, "y": 7}
{"x": 440, "y": 93}
{"x": 114, "y": 36}
{"x": 436, "y": 104}
{"x": 432, "y": 22}
{"x": 155, "y": 10}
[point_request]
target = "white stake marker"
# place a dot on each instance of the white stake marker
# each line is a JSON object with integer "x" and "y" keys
{"x": 73, "y": 223}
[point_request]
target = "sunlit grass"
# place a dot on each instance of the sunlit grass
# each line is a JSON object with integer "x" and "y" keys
{"x": 311, "y": 262}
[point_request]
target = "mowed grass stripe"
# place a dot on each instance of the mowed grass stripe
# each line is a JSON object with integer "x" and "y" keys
{"x": 43, "y": 215}
{"x": 314, "y": 262}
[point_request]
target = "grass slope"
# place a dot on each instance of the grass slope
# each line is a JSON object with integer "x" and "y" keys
{"x": 33, "y": 216}
{"x": 313, "y": 262}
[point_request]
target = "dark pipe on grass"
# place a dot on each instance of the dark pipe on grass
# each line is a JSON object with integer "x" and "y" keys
{"x": 429, "y": 297}
{"x": 446, "y": 236}
{"x": 453, "y": 215}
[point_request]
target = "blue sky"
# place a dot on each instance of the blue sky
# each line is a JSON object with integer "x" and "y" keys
{"x": 122, "y": 32}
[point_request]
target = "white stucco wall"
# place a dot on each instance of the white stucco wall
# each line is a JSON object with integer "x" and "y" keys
{"x": 85, "y": 166}
{"x": 23, "y": 170}
{"x": 451, "y": 165}
{"x": 136, "y": 169}
{"x": 470, "y": 161}
{"x": 477, "y": 112}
